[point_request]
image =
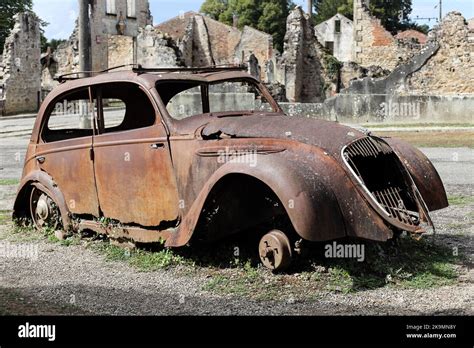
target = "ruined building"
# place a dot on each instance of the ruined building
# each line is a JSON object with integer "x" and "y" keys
{"x": 301, "y": 61}
{"x": 121, "y": 33}
{"x": 374, "y": 45}
{"x": 204, "y": 41}
{"x": 20, "y": 68}
{"x": 336, "y": 34}
{"x": 451, "y": 69}
{"x": 115, "y": 24}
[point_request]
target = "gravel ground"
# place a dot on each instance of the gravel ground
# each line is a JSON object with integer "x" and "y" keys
{"x": 65, "y": 275}
{"x": 78, "y": 280}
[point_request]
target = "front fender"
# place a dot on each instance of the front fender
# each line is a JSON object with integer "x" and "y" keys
{"x": 311, "y": 206}
{"x": 321, "y": 201}
{"x": 423, "y": 172}
{"x": 44, "y": 182}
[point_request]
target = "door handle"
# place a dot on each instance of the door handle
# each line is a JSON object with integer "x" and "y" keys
{"x": 157, "y": 146}
{"x": 41, "y": 159}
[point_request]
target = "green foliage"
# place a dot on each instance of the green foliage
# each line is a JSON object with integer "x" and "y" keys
{"x": 332, "y": 65}
{"x": 9, "y": 182}
{"x": 394, "y": 14}
{"x": 214, "y": 8}
{"x": 266, "y": 15}
{"x": 8, "y": 8}
{"x": 460, "y": 200}
{"x": 326, "y": 9}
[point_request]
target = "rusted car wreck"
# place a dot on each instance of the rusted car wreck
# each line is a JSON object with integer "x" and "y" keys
{"x": 180, "y": 155}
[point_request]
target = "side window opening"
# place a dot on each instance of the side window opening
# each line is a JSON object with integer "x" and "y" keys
{"x": 183, "y": 99}
{"x": 186, "y": 104}
{"x": 124, "y": 107}
{"x": 71, "y": 117}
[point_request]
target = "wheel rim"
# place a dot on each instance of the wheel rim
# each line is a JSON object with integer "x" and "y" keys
{"x": 275, "y": 250}
{"x": 44, "y": 211}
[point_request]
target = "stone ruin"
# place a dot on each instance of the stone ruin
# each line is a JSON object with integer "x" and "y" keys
{"x": 20, "y": 69}
{"x": 451, "y": 69}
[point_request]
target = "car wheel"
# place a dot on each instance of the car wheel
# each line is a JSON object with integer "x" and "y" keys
{"x": 275, "y": 250}
{"x": 44, "y": 211}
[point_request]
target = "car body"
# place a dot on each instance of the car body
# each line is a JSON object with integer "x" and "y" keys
{"x": 153, "y": 177}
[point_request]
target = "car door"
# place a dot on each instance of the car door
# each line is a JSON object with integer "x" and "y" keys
{"x": 133, "y": 168}
{"x": 65, "y": 148}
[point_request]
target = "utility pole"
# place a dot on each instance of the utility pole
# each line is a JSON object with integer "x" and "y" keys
{"x": 84, "y": 37}
{"x": 310, "y": 8}
{"x": 440, "y": 10}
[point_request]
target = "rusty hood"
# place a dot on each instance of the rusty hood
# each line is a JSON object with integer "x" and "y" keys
{"x": 327, "y": 135}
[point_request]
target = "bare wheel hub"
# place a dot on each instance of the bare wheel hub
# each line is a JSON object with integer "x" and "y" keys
{"x": 44, "y": 211}
{"x": 275, "y": 250}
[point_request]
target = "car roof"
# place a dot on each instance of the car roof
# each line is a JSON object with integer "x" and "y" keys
{"x": 149, "y": 79}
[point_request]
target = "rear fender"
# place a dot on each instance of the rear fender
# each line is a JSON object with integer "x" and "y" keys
{"x": 44, "y": 182}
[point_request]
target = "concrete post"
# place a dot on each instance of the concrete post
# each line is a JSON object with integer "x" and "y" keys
{"x": 85, "y": 63}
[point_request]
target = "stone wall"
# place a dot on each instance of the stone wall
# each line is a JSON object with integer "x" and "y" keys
{"x": 257, "y": 43}
{"x": 300, "y": 61}
{"x": 451, "y": 69}
{"x": 154, "y": 49}
{"x": 66, "y": 55}
{"x": 20, "y": 71}
{"x": 120, "y": 50}
{"x": 204, "y": 41}
{"x": 373, "y": 45}
{"x": 104, "y": 24}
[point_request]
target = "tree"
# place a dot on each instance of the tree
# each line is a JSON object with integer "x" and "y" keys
{"x": 214, "y": 8}
{"x": 394, "y": 14}
{"x": 326, "y": 9}
{"x": 9, "y": 8}
{"x": 266, "y": 15}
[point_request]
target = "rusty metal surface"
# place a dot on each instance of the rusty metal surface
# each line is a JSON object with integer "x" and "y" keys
{"x": 134, "y": 177}
{"x": 157, "y": 182}
{"x": 423, "y": 173}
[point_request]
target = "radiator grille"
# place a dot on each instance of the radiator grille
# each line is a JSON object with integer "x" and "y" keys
{"x": 374, "y": 162}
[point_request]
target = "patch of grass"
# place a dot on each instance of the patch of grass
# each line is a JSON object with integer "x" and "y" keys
{"x": 9, "y": 182}
{"x": 5, "y": 217}
{"x": 439, "y": 274}
{"x": 143, "y": 260}
{"x": 244, "y": 281}
{"x": 446, "y": 139}
{"x": 405, "y": 264}
{"x": 411, "y": 263}
{"x": 460, "y": 200}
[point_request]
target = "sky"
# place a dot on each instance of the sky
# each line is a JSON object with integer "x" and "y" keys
{"x": 61, "y": 14}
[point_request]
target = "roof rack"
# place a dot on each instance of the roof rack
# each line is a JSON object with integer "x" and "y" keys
{"x": 138, "y": 69}
{"x": 77, "y": 75}
{"x": 207, "y": 69}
